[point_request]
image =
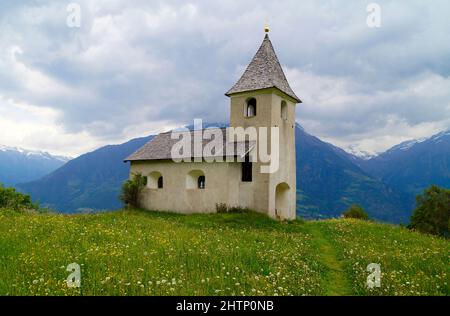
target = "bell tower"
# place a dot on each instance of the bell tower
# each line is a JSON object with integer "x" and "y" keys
{"x": 262, "y": 97}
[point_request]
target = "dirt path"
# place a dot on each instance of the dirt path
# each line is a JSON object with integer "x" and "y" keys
{"x": 336, "y": 281}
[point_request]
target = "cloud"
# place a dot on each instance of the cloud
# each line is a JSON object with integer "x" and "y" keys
{"x": 145, "y": 66}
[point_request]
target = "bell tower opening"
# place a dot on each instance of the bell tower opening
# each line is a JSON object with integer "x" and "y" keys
{"x": 250, "y": 108}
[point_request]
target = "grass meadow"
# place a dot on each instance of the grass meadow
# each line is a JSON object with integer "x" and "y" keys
{"x": 135, "y": 252}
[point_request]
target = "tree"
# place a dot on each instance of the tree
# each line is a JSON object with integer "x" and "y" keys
{"x": 131, "y": 190}
{"x": 356, "y": 211}
{"x": 432, "y": 214}
{"x": 12, "y": 200}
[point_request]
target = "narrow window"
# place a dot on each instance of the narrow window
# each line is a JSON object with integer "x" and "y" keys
{"x": 160, "y": 183}
{"x": 284, "y": 110}
{"x": 247, "y": 170}
{"x": 201, "y": 182}
{"x": 250, "y": 109}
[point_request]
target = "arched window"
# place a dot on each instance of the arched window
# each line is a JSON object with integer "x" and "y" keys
{"x": 155, "y": 180}
{"x": 250, "y": 108}
{"x": 201, "y": 182}
{"x": 195, "y": 179}
{"x": 284, "y": 110}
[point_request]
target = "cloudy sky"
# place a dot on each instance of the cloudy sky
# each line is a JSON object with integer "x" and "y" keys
{"x": 134, "y": 68}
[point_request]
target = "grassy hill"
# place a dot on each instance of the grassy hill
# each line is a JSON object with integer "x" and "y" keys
{"x": 143, "y": 253}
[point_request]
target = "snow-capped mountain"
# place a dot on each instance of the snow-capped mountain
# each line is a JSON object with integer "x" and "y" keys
{"x": 414, "y": 165}
{"x": 355, "y": 151}
{"x": 406, "y": 145}
{"x": 440, "y": 137}
{"x": 34, "y": 153}
{"x": 18, "y": 165}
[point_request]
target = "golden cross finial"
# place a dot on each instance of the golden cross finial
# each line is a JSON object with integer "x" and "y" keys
{"x": 266, "y": 28}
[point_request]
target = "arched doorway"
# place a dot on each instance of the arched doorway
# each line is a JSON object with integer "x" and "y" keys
{"x": 282, "y": 200}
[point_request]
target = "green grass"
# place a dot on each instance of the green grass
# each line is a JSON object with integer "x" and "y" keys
{"x": 336, "y": 283}
{"x": 146, "y": 253}
{"x": 411, "y": 263}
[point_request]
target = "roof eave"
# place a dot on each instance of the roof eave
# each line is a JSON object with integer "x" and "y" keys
{"x": 292, "y": 97}
{"x": 170, "y": 159}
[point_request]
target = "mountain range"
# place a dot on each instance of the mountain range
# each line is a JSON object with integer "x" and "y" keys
{"x": 329, "y": 179}
{"x": 18, "y": 165}
{"x": 89, "y": 182}
{"x": 413, "y": 165}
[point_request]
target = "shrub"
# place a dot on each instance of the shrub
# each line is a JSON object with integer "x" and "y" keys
{"x": 432, "y": 214}
{"x": 131, "y": 190}
{"x": 12, "y": 200}
{"x": 356, "y": 211}
{"x": 239, "y": 209}
{"x": 221, "y": 208}
{"x": 224, "y": 208}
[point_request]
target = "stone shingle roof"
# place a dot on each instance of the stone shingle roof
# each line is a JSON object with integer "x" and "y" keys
{"x": 160, "y": 147}
{"x": 263, "y": 72}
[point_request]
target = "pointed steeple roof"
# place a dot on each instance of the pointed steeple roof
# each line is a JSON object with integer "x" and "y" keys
{"x": 263, "y": 72}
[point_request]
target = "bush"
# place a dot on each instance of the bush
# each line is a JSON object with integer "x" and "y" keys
{"x": 432, "y": 214}
{"x": 12, "y": 200}
{"x": 221, "y": 208}
{"x": 239, "y": 209}
{"x": 224, "y": 208}
{"x": 356, "y": 211}
{"x": 131, "y": 190}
